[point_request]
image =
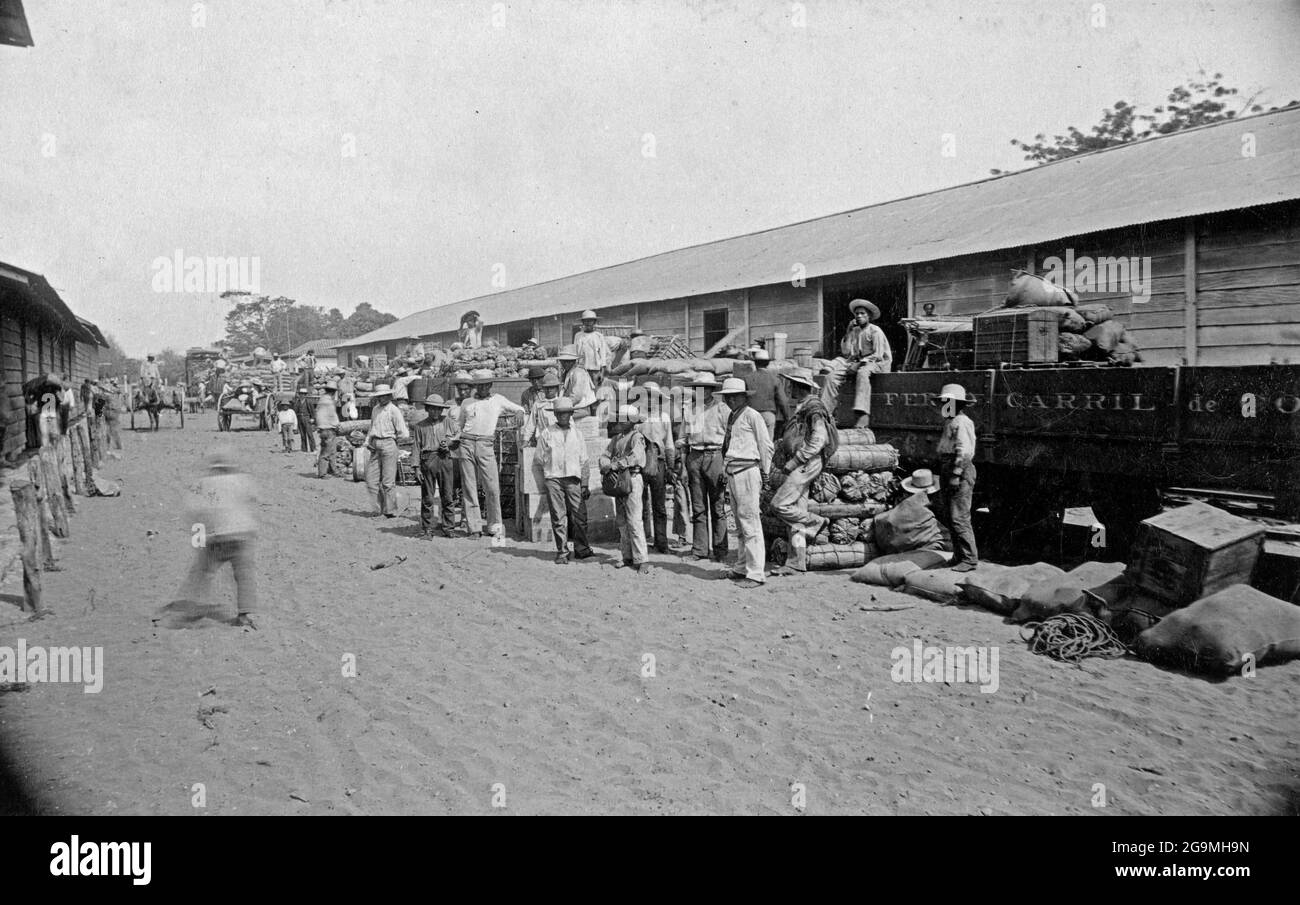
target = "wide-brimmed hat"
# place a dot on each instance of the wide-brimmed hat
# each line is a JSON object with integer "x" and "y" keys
{"x": 921, "y": 481}
{"x": 954, "y": 392}
{"x": 733, "y": 386}
{"x": 636, "y": 331}
{"x": 858, "y": 304}
{"x": 562, "y": 404}
{"x": 567, "y": 353}
{"x": 462, "y": 377}
{"x": 550, "y": 380}
{"x": 759, "y": 355}
{"x": 413, "y": 336}
{"x": 331, "y": 385}
{"x": 482, "y": 375}
{"x": 589, "y": 315}
{"x": 435, "y": 400}
{"x": 801, "y": 376}
{"x": 704, "y": 380}
{"x": 531, "y": 341}
{"x": 536, "y": 372}
{"x": 382, "y": 389}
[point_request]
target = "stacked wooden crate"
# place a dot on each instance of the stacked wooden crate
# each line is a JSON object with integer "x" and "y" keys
{"x": 533, "y": 516}
{"x": 1016, "y": 336}
{"x": 1188, "y": 553}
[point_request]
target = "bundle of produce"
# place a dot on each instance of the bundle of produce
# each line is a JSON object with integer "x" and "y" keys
{"x": 1095, "y": 314}
{"x": 347, "y": 427}
{"x": 863, "y": 510}
{"x": 878, "y": 457}
{"x": 851, "y": 489}
{"x": 357, "y": 438}
{"x": 1030, "y": 290}
{"x": 856, "y": 436}
{"x": 879, "y": 485}
{"x": 341, "y": 459}
{"x": 844, "y": 530}
{"x": 826, "y": 488}
{"x": 1069, "y": 320}
{"x": 837, "y": 556}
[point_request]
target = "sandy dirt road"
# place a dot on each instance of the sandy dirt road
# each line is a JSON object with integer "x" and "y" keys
{"x": 479, "y": 666}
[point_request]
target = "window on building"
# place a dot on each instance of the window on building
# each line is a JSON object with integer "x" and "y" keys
{"x": 517, "y": 336}
{"x": 715, "y": 327}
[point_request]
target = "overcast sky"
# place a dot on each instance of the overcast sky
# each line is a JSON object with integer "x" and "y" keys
{"x": 546, "y": 138}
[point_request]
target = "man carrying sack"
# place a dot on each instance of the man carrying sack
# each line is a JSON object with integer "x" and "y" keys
{"x": 747, "y": 458}
{"x": 957, "y": 468}
{"x": 808, "y": 441}
{"x": 864, "y": 351}
{"x": 387, "y": 426}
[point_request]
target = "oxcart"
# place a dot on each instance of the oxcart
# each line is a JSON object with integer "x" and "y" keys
{"x": 260, "y": 411}
{"x": 155, "y": 400}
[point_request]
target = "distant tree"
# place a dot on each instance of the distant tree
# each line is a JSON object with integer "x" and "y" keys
{"x": 364, "y": 319}
{"x": 1187, "y": 106}
{"x": 248, "y": 323}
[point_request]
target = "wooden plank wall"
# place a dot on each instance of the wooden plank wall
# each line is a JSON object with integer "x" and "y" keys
{"x": 787, "y": 309}
{"x": 15, "y": 374}
{"x": 1248, "y": 286}
{"x": 966, "y": 285}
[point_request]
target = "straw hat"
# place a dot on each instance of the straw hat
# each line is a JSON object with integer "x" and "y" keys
{"x": 562, "y": 404}
{"x": 733, "y": 386}
{"x": 550, "y": 380}
{"x": 382, "y": 389}
{"x": 759, "y": 355}
{"x": 482, "y": 375}
{"x": 567, "y": 353}
{"x": 955, "y": 392}
{"x": 462, "y": 377}
{"x": 434, "y": 399}
{"x": 589, "y": 315}
{"x": 801, "y": 376}
{"x": 921, "y": 481}
{"x": 704, "y": 380}
{"x": 859, "y": 304}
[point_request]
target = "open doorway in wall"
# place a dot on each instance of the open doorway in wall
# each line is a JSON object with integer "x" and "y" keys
{"x": 887, "y": 290}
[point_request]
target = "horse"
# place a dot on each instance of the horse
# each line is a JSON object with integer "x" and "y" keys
{"x": 149, "y": 400}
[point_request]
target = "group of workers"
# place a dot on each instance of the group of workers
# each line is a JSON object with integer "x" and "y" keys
{"x": 712, "y": 446}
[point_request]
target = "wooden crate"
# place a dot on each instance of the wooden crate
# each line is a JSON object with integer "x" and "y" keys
{"x": 1015, "y": 336}
{"x": 1188, "y": 553}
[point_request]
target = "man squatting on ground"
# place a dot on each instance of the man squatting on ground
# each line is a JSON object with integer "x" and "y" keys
{"x": 808, "y": 441}
{"x": 957, "y": 466}
{"x": 562, "y": 454}
{"x": 864, "y": 351}
{"x": 387, "y": 426}
{"x": 478, "y": 462}
{"x": 747, "y": 458}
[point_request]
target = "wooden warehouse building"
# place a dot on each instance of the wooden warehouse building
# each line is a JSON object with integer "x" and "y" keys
{"x": 1208, "y": 217}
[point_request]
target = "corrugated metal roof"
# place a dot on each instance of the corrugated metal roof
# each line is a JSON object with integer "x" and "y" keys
{"x": 1183, "y": 174}
{"x": 318, "y": 346}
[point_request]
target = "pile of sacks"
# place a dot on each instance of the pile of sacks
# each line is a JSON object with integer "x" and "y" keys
{"x": 1085, "y": 332}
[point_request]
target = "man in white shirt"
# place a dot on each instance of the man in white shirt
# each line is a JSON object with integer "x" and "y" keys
{"x": 747, "y": 458}
{"x": 478, "y": 424}
{"x": 864, "y": 351}
{"x": 562, "y": 453}
{"x": 576, "y": 382}
{"x": 541, "y": 413}
{"x": 278, "y": 364}
{"x": 387, "y": 426}
{"x": 591, "y": 348}
{"x": 957, "y": 466}
{"x": 149, "y": 376}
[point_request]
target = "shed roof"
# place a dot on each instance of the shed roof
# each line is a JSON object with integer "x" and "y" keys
{"x": 1234, "y": 164}
{"x": 34, "y": 291}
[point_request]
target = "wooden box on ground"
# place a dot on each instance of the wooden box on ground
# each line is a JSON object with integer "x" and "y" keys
{"x": 532, "y": 516}
{"x": 1188, "y": 553}
{"x": 1016, "y": 336}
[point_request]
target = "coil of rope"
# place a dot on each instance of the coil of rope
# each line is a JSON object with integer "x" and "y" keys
{"x": 1072, "y": 637}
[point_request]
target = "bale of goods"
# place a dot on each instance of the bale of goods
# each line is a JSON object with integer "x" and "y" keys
{"x": 826, "y": 488}
{"x": 1191, "y": 552}
{"x": 1224, "y": 632}
{"x": 856, "y": 436}
{"x": 1073, "y": 345}
{"x": 851, "y": 490}
{"x": 341, "y": 458}
{"x": 1077, "y": 591}
{"x": 837, "y": 556}
{"x": 1105, "y": 336}
{"x": 1126, "y": 353}
{"x": 1029, "y": 289}
{"x": 360, "y": 459}
{"x": 994, "y": 587}
{"x": 1095, "y": 314}
{"x": 1068, "y": 319}
{"x": 863, "y": 510}
{"x": 892, "y": 569}
{"x": 347, "y": 427}
{"x": 878, "y": 457}
{"x": 844, "y": 530}
{"x": 935, "y": 584}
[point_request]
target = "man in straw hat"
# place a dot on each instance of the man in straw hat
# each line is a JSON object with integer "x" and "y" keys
{"x": 541, "y": 408}
{"x": 327, "y": 424}
{"x": 575, "y": 382}
{"x": 657, "y": 428}
{"x": 478, "y": 459}
{"x": 435, "y": 440}
{"x": 705, "y": 423}
{"x": 387, "y": 426}
{"x": 864, "y": 351}
{"x": 638, "y": 344}
{"x": 809, "y": 439}
{"x": 591, "y": 348}
{"x": 562, "y": 455}
{"x": 957, "y": 469}
{"x": 766, "y": 393}
{"x": 747, "y": 458}
{"x": 626, "y": 452}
